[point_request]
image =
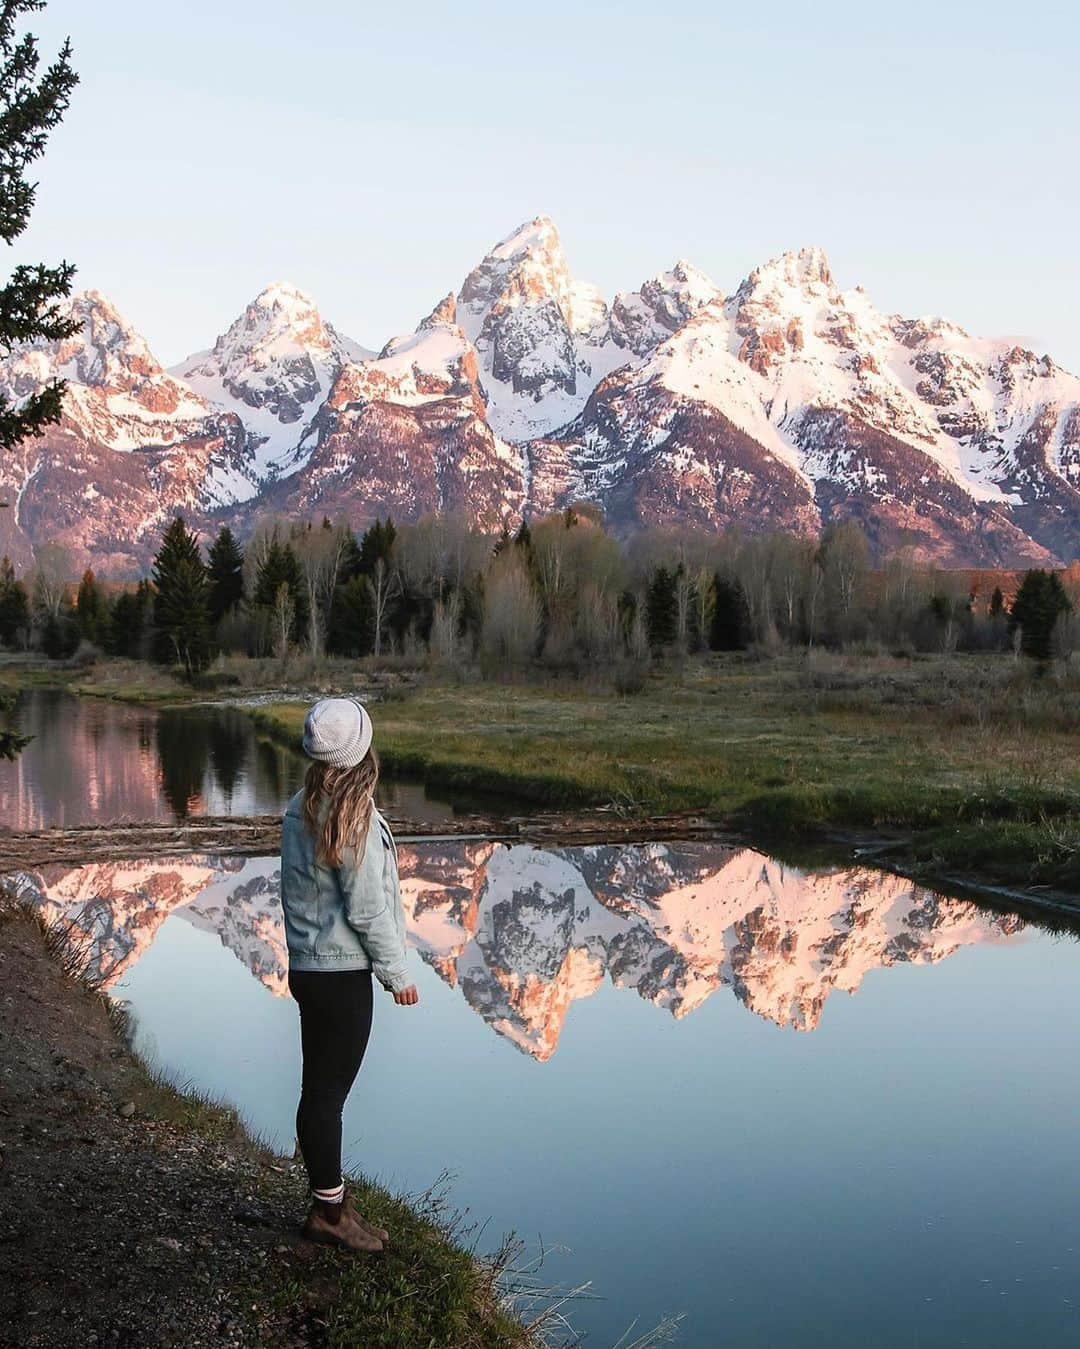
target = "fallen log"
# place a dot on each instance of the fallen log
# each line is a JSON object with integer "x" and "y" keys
{"x": 256, "y": 835}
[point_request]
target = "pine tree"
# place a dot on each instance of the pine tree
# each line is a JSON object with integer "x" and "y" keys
{"x": 60, "y": 632}
{"x": 225, "y": 570}
{"x": 350, "y": 559}
{"x": 92, "y": 610}
{"x": 280, "y": 567}
{"x": 730, "y": 629}
{"x": 377, "y": 544}
{"x": 131, "y": 613}
{"x": 31, "y": 105}
{"x": 352, "y": 618}
{"x": 1039, "y": 603}
{"x": 997, "y": 603}
{"x": 14, "y": 605}
{"x": 181, "y": 609}
{"x": 661, "y": 617}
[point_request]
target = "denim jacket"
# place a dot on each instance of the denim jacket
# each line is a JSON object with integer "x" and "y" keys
{"x": 348, "y": 917}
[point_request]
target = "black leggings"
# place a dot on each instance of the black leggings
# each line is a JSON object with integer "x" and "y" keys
{"x": 335, "y": 1022}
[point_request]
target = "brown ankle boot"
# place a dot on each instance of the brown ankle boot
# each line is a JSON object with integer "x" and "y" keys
{"x": 334, "y": 1225}
{"x": 379, "y": 1232}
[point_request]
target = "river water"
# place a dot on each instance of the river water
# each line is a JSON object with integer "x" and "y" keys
{"x": 805, "y": 1108}
{"x": 92, "y": 761}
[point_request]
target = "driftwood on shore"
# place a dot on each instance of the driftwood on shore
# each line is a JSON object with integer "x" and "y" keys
{"x": 261, "y": 834}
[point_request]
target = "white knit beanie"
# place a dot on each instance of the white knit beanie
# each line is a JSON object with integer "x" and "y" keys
{"x": 337, "y": 731}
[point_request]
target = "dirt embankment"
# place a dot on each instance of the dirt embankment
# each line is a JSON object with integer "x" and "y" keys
{"x": 132, "y": 1215}
{"x": 123, "y": 1222}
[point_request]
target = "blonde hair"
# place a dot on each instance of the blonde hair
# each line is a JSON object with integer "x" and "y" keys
{"x": 350, "y": 795}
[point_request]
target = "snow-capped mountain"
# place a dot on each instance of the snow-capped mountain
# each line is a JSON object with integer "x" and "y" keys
{"x": 543, "y": 340}
{"x": 523, "y": 932}
{"x": 408, "y": 433}
{"x": 793, "y": 401}
{"x": 273, "y": 368}
{"x": 787, "y": 403}
{"x": 134, "y": 446}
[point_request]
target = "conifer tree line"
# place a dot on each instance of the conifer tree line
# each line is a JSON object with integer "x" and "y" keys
{"x": 559, "y": 592}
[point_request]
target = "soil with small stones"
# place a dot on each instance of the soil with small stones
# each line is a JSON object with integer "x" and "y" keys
{"x": 121, "y": 1222}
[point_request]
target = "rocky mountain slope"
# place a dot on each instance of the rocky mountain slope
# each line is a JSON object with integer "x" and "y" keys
{"x": 789, "y": 402}
{"x": 523, "y": 932}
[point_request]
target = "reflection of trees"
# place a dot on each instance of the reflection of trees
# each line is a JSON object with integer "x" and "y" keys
{"x": 277, "y": 768}
{"x": 230, "y": 734}
{"x": 183, "y": 746}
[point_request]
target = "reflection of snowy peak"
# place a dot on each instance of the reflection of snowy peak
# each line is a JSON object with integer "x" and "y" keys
{"x": 116, "y": 908}
{"x": 244, "y": 909}
{"x": 534, "y": 930}
{"x": 524, "y": 932}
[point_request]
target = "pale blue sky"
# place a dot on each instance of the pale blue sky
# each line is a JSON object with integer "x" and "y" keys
{"x": 373, "y": 154}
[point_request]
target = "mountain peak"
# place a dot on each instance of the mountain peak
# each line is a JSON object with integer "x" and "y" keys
{"x": 641, "y": 319}
{"x": 106, "y": 347}
{"x": 273, "y": 366}
{"x": 527, "y": 267}
{"x": 84, "y": 301}
{"x": 284, "y": 296}
{"x": 801, "y": 269}
{"x": 444, "y": 312}
{"x": 538, "y": 233}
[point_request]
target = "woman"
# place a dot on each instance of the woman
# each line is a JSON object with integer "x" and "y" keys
{"x": 343, "y": 923}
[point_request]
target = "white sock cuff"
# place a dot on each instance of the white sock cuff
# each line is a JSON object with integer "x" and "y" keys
{"x": 336, "y": 1196}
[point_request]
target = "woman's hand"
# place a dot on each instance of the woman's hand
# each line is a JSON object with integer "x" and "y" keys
{"x": 408, "y": 997}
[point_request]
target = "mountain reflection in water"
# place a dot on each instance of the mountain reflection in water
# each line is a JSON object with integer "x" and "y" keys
{"x": 524, "y": 932}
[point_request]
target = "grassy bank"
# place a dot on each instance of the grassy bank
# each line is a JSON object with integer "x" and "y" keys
{"x": 194, "y": 1221}
{"x": 964, "y": 765}
{"x": 973, "y": 760}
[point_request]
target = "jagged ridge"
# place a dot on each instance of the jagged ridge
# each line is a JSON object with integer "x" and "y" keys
{"x": 789, "y": 403}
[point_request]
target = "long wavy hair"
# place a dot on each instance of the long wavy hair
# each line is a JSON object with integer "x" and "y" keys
{"x": 350, "y": 795}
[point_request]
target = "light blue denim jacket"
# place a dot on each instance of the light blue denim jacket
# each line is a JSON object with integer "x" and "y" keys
{"x": 348, "y": 917}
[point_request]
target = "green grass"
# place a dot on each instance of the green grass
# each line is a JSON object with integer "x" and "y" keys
{"x": 973, "y": 759}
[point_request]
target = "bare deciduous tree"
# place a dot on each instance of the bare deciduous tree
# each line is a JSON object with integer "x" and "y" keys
{"x": 385, "y": 588}
{"x": 445, "y": 644}
{"x": 321, "y": 552}
{"x": 511, "y": 624}
{"x": 52, "y": 580}
{"x": 284, "y": 614}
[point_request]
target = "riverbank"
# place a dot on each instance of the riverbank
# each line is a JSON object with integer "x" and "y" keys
{"x": 134, "y": 1214}
{"x": 958, "y": 768}
{"x": 963, "y": 766}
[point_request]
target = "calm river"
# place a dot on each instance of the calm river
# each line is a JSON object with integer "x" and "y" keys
{"x": 801, "y": 1108}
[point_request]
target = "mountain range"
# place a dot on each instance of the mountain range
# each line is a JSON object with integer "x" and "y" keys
{"x": 786, "y": 403}
{"x": 524, "y": 932}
